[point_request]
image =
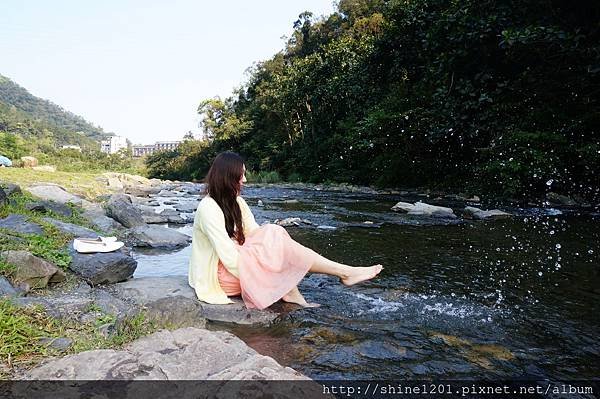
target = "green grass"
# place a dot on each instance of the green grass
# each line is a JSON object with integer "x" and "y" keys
{"x": 52, "y": 244}
{"x": 22, "y": 328}
{"x": 20, "y": 331}
{"x": 6, "y": 269}
{"x": 81, "y": 183}
{"x": 263, "y": 177}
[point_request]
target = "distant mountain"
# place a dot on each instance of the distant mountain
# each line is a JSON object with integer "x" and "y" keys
{"x": 24, "y": 105}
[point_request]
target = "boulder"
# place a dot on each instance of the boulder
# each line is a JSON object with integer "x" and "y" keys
{"x": 56, "y": 193}
{"x": 480, "y": 214}
{"x": 30, "y": 271}
{"x": 115, "y": 184}
{"x": 184, "y": 354}
{"x": 154, "y": 218}
{"x": 423, "y": 209}
{"x": 60, "y": 344}
{"x": 65, "y": 306}
{"x": 81, "y": 303}
{"x": 29, "y": 162}
{"x": 97, "y": 217}
{"x": 169, "y": 193}
{"x": 6, "y": 288}
{"x": 72, "y": 229}
{"x": 45, "y": 168}
{"x": 11, "y": 238}
{"x": 559, "y": 199}
{"x": 10, "y": 188}
{"x": 45, "y": 206}
{"x": 3, "y": 197}
{"x": 19, "y": 224}
{"x": 186, "y": 207}
{"x": 288, "y": 222}
{"x": 121, "y": 209}
{"x": 160, "y": 291}
{"x": 141, "y": 191}
{"x": 103, "y": 268}
{"x": 157, "y": 237}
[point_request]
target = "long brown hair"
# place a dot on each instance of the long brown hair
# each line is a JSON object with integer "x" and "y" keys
{"x": 223, "y": 185}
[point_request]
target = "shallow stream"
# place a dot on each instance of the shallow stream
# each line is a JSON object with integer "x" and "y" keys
{"x": 510, "y": 298}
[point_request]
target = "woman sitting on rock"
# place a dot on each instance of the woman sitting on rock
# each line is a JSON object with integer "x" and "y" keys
{"x": 233, "y": 255}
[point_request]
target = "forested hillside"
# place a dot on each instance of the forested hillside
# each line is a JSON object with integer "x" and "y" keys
{"x": 39, "y": 128}
{"x": 45, "y": 111}
{"x": 500, "y": 97}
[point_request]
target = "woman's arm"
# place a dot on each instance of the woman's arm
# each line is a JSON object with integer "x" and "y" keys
{"x": 247, "y": 217}
{"x": 212, "y": 223}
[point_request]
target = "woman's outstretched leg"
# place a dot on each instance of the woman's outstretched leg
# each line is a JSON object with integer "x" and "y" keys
{"x": 349, "y": 275}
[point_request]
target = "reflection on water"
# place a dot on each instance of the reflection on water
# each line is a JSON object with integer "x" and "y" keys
{"x": 509, "y": 298}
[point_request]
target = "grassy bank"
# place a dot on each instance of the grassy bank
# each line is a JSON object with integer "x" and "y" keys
{"x": 26, "y": 333}
{"x": 85, "y": 184}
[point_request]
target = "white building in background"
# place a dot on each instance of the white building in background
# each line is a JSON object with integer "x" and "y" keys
{"x": 139, "y": 150}
{"x": 113, "y": 144}
{"x": 166, "y": 145}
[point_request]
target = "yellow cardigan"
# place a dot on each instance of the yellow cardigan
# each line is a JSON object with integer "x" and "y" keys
{"x": 210, "y": 242}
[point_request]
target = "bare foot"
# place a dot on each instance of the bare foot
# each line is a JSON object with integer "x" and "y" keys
{"x": 360, "y": 274}
{"x": 297, "y": 298}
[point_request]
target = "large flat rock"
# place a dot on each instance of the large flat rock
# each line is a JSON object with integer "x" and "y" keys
{"x": 157, "y": 237}
{"x": 151, "y": 291}
{"x": 184, "y": 354}
{"x": 72, "y": 229}
{"x": 19, "y": 224}
{"x": 54, "y": 192}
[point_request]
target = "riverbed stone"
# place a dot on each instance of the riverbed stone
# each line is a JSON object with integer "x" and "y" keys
{"x": 61, "y": 344}
{"x": 10, "y": 188}
{"x": 29, "y": 161}
{"x": 480, "y": 214}
{"x": 64, "y": 306}
{"x": 148, "y": 290}
{"x": 142, "y": 191}
{"x": 154, "y": 218}
{"x": 72, "y": 229}
{"x": 103, "y": 268}
{"x": 96, "y": 216}
{"x": 114, "y": 184}
{"x": 184, "y": 354}
{"x": 121, "y": 208}
{"x": 7, "y": 289}
{"x": 46, "y": 206}
{"x": 19, "y": 224}
{"x": 423, "y": 209}
{"x": 187, "y": 207}
{"x": 56, "y": 193}
{"x": 3, "y": 197}
{"x": 157, "y": 237}
{"x": 560, "y": 199}
{"x": 31, "y": 271}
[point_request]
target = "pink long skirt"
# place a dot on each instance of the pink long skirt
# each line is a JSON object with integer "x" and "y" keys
{"x": 271, "y": 263}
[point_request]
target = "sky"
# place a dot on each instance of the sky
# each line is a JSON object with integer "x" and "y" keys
{"x": 140, "y": 68}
